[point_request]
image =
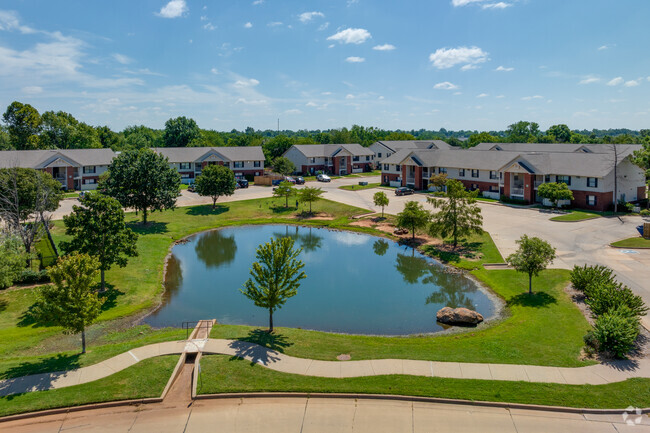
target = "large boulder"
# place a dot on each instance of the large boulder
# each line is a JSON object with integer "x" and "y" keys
{"x": 458, "y": 316}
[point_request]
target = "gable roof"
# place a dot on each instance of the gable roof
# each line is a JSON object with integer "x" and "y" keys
{"x": 192, "y": 154}
{"x": 557, "y": 147}
{"x": 40, "y": 158}
{"x": 328, "y": 150}
{"x": 396, "y": 145}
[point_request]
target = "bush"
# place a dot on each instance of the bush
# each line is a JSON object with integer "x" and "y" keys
{"x": 29, "y": 276}
{"x": 645, "y": 212}
{"x": 506, "y": 199}
{"x": 591, "y": 343}
{"x": 616, "y": 331}
{"x": 583, "y": 278}
{"x": 610, "y": 296}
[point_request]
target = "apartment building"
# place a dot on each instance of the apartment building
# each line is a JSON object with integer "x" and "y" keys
{"x": 339, "y": 159}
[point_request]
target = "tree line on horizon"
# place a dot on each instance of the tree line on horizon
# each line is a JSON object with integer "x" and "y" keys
{"x": 24, "y": 128}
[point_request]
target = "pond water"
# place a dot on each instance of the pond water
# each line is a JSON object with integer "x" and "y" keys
{"x": 356, "y": 283}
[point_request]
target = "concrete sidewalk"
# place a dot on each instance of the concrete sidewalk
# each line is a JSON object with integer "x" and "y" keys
{"x": 592, "y": 375}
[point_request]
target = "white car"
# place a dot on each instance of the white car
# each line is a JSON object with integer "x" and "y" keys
{"x": 323, "y": 178}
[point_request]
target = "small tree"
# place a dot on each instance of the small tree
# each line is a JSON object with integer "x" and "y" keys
{"x": 142, "y": 179}
{"x": 283, "y": 166}
{"x": 70, "y": 302}
{"x": 215, "y": 181}
{"x": 533, "y": 256}
{"x": 459, "y": 215}
{"x": 12, "y": 259}
{"x": 413, "y": 217}
{"x": 286, "y": 190}
{"x": 555, "y": 191}
{"x": 98, "y": 229}
{"x": 438, "y": 180}
{"x": 381, "y": 199}
{"x": 309, "y": 195}
{"x": 276, "y": 275}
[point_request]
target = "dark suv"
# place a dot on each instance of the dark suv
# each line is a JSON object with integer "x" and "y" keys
{"x": 403, "y": 190}
{"x": 243, "y": 183}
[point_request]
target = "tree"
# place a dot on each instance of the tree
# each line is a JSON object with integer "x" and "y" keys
{"x": 438, "y": 180}
{"x": 523, "y": 132}
{"x": 309, "y": 195}
{"x": 560, "y": 133}
{"x": 555, "y": 191}
{"x": 532, "y": 256}
{"x": 70, "y": 302}
{"x": 97, "y": 228}
{"x": 23, "y": 124}
{"x": 108, "y": 139}
{"x": 142, "y": 179}
{"x": 380, "y": 247}
{"x": 275, "y": 276}
{"x": 5, "y": 142}
{"x": 215, "y": 181}
{"x": 286, "y": 190}
{"x": 276, "y": 146}
{"x": 459, "y": 214}
{"x": 483, "y": 137}
{"x": 380, "y": 199}
{"x": 283, "y": 166}
{"x": 12, "y": 259}
{"x": 180, "y": 132}
{"x": 413, "y": 217}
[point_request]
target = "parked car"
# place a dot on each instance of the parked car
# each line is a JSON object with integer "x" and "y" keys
{"x": 403, "y": 190}
{"x": 276, "y": 182}
{"x": 290, "y": 180}
{"x": 323, "y": 178}
{"x": 300, "y": 180}
{"x": 190, "y": 187}
{"x": 82, "y": 194}
{"x": 243, "y": 183}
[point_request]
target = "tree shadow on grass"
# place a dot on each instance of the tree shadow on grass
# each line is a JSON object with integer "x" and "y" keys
{"x": 283, "y": 210}
{"x": 3, "y": 305}
{"x": 260, "y": 347}
{"x": 151, "y": 228}
{"x": 110, "y": 296}
{"x": 32, "y": 316}
{"x": 207, "y": 210}
{"x": 48, "y": 370}
{"x": 536, "y": 300}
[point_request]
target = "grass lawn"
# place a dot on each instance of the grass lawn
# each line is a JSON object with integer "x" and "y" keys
{"x": 143, "y": 380}
{"x": 491, "y": 200}
{"x": 545, "y": 329}
{"x": 221, "y": 374}
{"x": 70, "y": 194}
{"x": 637, "y": 242}
{"x": 29, "y": 347}
{"x": 476, "y": 250}
{"x": 576, "y": 215}
{"x": 359, "y": 187}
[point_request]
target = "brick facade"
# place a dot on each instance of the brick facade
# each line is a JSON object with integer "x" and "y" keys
{"x": 481, "y": 186}
{"x": 603, "y": 200}
{"x": 386, "y": 178}
{"x": 641, "y": 192}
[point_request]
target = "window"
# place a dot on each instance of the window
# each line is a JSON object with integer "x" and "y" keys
{"x": 386, "y": 167}
{"x": 90, "y": 169}
{"x": 397, "y": 168}
{"x": 564, "y": 179}
{"x": 442, "y": 170}
{"x": 257, "y": 163}
{"x": 185, "y": 175}
{"x": 378, "y": 154}
{"x": 547, "y": 178}
{"x": 367, "y": 158}
{"x": 494, "y": 188}
{"x": 591, "y": 200}
{"x": 474, "y": 187}
{"x": 461, "y": 172}
{"x": 355, "y": 158}
{"x": 185, "y": 165}
{"x": 474, "y": 173}
{"x": 592, "y": 182}
{"x": 238, "y": 164}
{"x": 493, "y": 175}
{"x": 312, "y": 160}
{"x": 90, "y": 181}
{"x": 226, "y": 164}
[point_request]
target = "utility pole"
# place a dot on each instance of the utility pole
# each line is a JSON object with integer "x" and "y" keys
{"x": 615, "y": 178}
{"x": 278, "y": 125}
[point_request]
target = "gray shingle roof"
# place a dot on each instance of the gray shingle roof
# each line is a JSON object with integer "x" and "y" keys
{"x": 557, "y": 147}
{"x": 396, "y": 145}
{"x": 191, "y": 154}
{"x": 326, "y": 150}
{"x": 37, "y": 158}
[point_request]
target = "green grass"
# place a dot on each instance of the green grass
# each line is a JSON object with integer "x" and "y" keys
{"x": 144, "y": 380}
{"x": 184, "y": 186}
{"x": 221, "y": 374}
{"x": 30, "y": 347}
{"x": 576, "y": 215}
{"x": 44, "y": 248}
{"x": 359, "y": 187}
{"x": 71, "y": 194}
{"x": 637, "y": 242}
{"x": 471, "y": 253}
{"x": 490, "y": 200}
{"x": 543, "y": 329}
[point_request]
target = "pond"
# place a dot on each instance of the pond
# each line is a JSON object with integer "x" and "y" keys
{"x": 356, "y": 283}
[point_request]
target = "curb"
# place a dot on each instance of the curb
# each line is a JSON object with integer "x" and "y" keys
{"x": 503, "y": 405}
{"x": 91, "y": 406}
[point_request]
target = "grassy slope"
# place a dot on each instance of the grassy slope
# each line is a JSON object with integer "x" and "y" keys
{"x": 359, "y": 187}
{"x": 576, "y": 215}
{"x": 545, "y": 329}
{"x": 143, "y": 380}
{"x": 637, "y": 242}
{"x": 222, "y": 374}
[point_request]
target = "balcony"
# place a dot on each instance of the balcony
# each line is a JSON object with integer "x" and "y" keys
{"x": 517, "y": 191}
{"x": 538, "y": 183}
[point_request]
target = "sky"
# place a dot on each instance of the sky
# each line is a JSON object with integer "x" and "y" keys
{"x": 230, "y": 64}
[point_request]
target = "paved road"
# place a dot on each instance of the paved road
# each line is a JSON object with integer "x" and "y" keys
{"x": 304, "y": 415}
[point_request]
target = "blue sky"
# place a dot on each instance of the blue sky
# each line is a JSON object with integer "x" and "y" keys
{"x": 455, "y": 64}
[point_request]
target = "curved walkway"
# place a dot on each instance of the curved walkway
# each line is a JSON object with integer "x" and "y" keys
{"x": 599, "y": 374}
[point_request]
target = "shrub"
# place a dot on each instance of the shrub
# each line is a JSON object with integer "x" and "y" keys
{"x": 583, "y": 278}
{"x": 616, "y": 331}
{"x": 645, "y": 212}
{"x": 506, "y": 199}
{"x": 29, "y": 276}
{"x": 610, "y": 296}
{"x": 591, "y": 342}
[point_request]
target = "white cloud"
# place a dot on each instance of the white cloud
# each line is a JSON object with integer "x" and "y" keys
{"x": 499, "y": 5}
{"x": 214, "y": 71}
{"x": 305, "y": 17}
{"x": 500, "y": 96}
{"x": 292, "y": 111}
{"x": 311, "y": 104}
{"x": 349, "y": 96}
{"x": 615, "y": 81}
{"x": 606, "y": 47}
{"x": 274, "y": 24}
{"x": 445, "y": 58}
{"x": 482, "y": 95}
{"x": 326, "y": 93}
{"x": 355, "y": 59}
{"x": 258, "y": 2}
{"x": 530, "y": 98}
{"x": 351, "y": 36}
{"x": 323, "y": 26}
{"x": 468, "y": 67}
{"x": 204, "y": 18}
{"x": 464, "y": 2}
{"x": 504, "y": 69}
{"x": 631, "y": 83}
{"x": 384, "y": 47}
{"x": 173, "y": 9}
{"x": 248, "y": 25}
{"x": 121, "y": 58}
{"x": 445, "y": 85}
{"x": 209, "y": 27}
{"x": 246, "y": 82}
{"x": 9, "y": 21}
{"x": 589, "y": 80}
{"x": 32, "y": 90}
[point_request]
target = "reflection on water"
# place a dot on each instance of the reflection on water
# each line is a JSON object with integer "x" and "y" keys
{"x": 395, "y": 291}
{"x": 214, "y": 249}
